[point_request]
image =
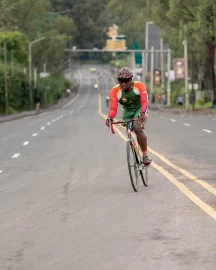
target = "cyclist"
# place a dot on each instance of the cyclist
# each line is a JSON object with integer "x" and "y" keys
{"x": 132, "y": 95}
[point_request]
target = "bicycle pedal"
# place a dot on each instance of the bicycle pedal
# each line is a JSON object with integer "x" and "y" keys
{"x": 140, "y": 167}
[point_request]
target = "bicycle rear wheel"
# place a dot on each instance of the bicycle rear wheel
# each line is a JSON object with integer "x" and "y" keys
{"x": 132, "y": 166}
{"x": 144, "y": 176}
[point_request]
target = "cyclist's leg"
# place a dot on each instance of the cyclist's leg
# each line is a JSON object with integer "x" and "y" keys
{"x": 141, "y": 137}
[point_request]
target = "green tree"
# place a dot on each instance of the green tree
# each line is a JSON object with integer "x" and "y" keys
{"x": 7, "y": 21}
{"x": 29, "y": 15}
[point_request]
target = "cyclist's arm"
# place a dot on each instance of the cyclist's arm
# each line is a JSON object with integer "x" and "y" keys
{"x": 143, "y": 97}
{"x": 113, "y": 104}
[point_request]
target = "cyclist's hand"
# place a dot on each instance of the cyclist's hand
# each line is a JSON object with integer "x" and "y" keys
{"x": 141, "y": 117}
{"x": 109, "y": 120}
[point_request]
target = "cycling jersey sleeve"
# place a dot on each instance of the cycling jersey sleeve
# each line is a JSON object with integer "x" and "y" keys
{"x": 113, "y": 104}
{"x": 143, "y": 97}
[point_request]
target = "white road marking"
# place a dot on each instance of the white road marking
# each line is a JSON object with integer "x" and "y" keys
{"x": 71, "y": 112}
{"x": 78, "y": 93}
{"x": 1, "y": 171}
{"x": 42, "y": 128}
{"x": 53, "y": 120}
{"x": 207, "y": 130}
{"x": 186, "y": 124}
{"x": 48, "y": 123}
{"x": 173, "y": 120}
{"x": 35, "y": 134}
{"x": 85, "y": 100}
{"x": 15, "y": 155}
{"x": 57, "y": 118}
{"x": 26, "y": 143}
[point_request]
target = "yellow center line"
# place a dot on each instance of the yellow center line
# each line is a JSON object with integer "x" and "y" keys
{"x": 202, "y": 183}
{"x": 185, "y": 190}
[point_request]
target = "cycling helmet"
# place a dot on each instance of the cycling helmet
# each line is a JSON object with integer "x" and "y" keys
{"x": 124, "y": 73}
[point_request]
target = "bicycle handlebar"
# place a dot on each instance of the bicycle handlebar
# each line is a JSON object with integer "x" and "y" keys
{"x": 121, "y": 122}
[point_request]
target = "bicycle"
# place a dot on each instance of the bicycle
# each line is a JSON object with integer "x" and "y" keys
{"x": 133, "y": 151}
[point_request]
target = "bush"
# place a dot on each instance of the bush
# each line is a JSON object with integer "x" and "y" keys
{"x": 200, "y": 101}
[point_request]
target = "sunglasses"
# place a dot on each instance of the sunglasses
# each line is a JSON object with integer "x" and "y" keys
{"x": 124, "y": 80}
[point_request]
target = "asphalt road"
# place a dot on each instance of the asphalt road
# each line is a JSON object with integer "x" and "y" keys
{"x": 66, "y": 201}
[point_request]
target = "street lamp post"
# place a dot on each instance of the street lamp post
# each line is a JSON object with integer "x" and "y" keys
{"x": 146, "y": 45}
{"x": 30, "y": 68}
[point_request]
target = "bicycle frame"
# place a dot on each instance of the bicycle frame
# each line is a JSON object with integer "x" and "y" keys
{"x": 129, "y": 129}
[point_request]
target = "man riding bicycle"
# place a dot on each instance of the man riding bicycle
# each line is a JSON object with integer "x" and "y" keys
{"x": 132, "y": 95}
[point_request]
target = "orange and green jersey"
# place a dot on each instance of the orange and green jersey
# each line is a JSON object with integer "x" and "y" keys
{"x": 136, "y": 98}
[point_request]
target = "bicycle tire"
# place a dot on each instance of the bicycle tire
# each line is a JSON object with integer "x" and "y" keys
{"x": 131, "y": 152}
{"x": 144, "y": 177}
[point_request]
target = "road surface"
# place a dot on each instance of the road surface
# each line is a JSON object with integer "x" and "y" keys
{"x": 67, "y": 203}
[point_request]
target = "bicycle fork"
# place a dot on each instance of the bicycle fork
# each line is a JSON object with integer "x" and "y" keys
{"x": 140, "y": 165}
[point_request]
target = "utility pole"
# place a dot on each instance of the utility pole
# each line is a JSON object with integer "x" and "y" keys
{"x": 162, "y": 65}
{"x": 152, "y": 73}
{"x": 186, "y": 69}
{"x": 5, "y": 77}
{"x": 146, "y": 44}
{"x": 35, "y": 78}
{"x": 143, "y": 66}
{"x": 168, "y": 76}
{"x": 12, "y": 62}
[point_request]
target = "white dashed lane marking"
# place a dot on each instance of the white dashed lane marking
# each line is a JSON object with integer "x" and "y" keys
{"x": 26, "y": 143}
{"x": 173, "y": 120}
{"x": 186, "y": 124}
{"x": 15, "y": 155}
{"x": 208, "y": 131}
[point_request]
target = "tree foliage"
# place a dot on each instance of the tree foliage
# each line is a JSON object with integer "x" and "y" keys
{"x": 198, "y": 17}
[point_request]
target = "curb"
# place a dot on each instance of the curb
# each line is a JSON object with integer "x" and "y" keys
{"x": 12, "y": 117}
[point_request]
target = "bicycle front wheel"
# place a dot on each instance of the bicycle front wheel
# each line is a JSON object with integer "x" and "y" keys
{"x": 132, "y": 166}
{"x": 144, "y": 175}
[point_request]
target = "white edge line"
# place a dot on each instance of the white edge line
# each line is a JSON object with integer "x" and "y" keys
{"x": 15, "y": 155}
{"x": 81, "y": 82}
{"x": 208, "y": 131}
{"x": 26, "y": 143}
